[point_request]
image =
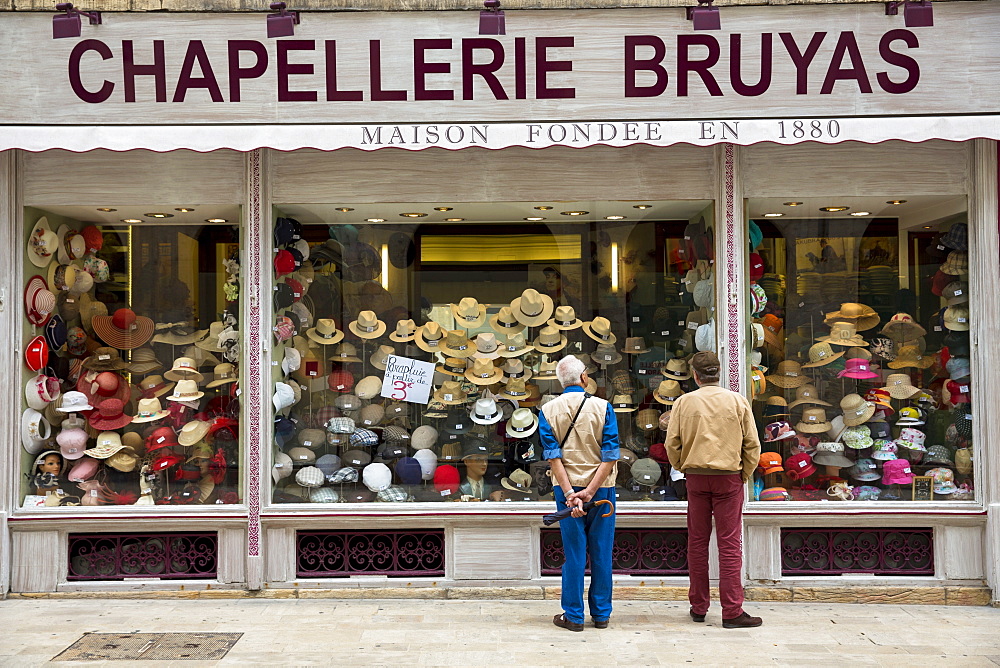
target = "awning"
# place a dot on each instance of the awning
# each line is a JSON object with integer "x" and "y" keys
{"x": 493, "y": 136}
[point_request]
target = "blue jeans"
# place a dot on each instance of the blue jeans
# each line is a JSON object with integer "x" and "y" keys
{"x": 591, "y": 534}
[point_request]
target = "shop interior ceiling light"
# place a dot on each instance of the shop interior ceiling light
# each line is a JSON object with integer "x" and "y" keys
{"x": 184, "y": 209}
{"x": 413, "y": 215}
{"x": 916, "y": 13}
{"x": 834, "y": 209}
{"x": 614, "y": 217}
{"x": 862, "y": 213}
{"x": 283, "y": 23}
{"x": 642, "y": 207}
{"x": 573, "y": 213}
{"x": 773, "y": 215}
{"x": 216, "y": 220}
{"x": 131, "y": 221}
{"x": 544, "y": 208}
{"x": 492, "y": 20}
{"x": 374, "y": 220}
{"x": 443, "y": 208}
{"x": 896, "y": 202}
{"x": 534, "y": 219}
{"x": 106, "y": 209}
{"x": 158, "y": 215}
{"x": 792, "y": 203}
{"x": 705, "y": 16}
{"x": 69, "y": 23}
{"x": 344, "y": 209}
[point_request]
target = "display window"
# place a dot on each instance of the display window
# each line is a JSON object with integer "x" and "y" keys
{"x": 130, "y": 364}
{"x": 415, "y": 343}
{"x": 860, "y": 357}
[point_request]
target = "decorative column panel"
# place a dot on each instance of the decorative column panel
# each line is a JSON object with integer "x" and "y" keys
{"x": 730, "y": 251}
{"x": 255, "y": 384}
{"x": 984, "y": 277}
{"x": 10, "y": 271}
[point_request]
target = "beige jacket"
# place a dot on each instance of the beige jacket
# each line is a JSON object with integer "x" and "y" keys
{"x": 712, "y": 430}
{"x": 585, "y": 447}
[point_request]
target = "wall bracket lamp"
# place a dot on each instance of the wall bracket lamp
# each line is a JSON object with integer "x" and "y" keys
{"x": 916, "y": 13}
{"x": 705, "y": 16}
{"x": 492, "y": 20}
{"x": 283, "y": 23}
{"x": 69, "y": 23}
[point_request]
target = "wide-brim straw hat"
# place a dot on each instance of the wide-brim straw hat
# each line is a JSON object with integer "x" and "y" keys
{"x": 451, "y": 393}
{"x": 863, "y": 316}
{"x": 813, "y": 421}
{"x": 821, "y": 354}
{"x": 532, "y": 308}
{"x": 606, "y": 354}
{"x": 843, "y": 334}
{"x": 789, "y": 374}
{"x": 807, "y": 394}
{"x": 856, "y": 410}
{"x": 124, "y": 330}
{"x": 910, "y": 356}
{"x": 210, "y": 341}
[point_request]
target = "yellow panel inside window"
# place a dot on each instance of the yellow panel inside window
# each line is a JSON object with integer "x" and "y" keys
{"x": 499, "y": 248}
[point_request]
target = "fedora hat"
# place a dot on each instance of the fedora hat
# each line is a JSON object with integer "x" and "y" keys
{"x": 192, "y": 432}
{"x": 124, "y": 330}
{"x": 149, "y": 410}
{"x": 522, "y": 423}
{"x": 519, "y": 480}
{"x": 43, "y": 243}
{"x": 504, "y": 322}
{"x": 367, "y": 326}
{"x": 789, "y": 374}
{"x": 843, "y": 334}
{"x": 622, "y": 403}
{"x": 807, "y": 394}
{"x": 863, "y": 316}
{"x": 487, "y": 346}
{"x": 486, "y": 411}
{"x": 154, "y": 386}
{"x": 405, "y": 331}
{"x": 484, "y": 373}
{"x": 451, "y": 393}
{"x": 104, "y": 359}
{"x": 515, "y": 389}
{"x": 345, "y": 352}
{"x": 546, "y": 371}
{"x": 468, "y": 313}
{"x": 187, "y": 390}
{"x": 606, "y": 354}
{"x": 676, "y": 368}
{"x": 599, "y": 329}
{"x": 635, "y": 345}
{"x": 39, "y": 302}
{"x": 667, "y": 392}
{"x": 210, "y": 341}
{"x": 532, "y": 308}
{"x": 381, "y": 356}
{"x": 184, "y": 368}
{"x": 452, "y": 366}
{"x": 910, "y": 356}
{"x": 514, "y": 368}
{"x": 430, "y": 338}
{"x": 457, "y": 344}
{"x": 325, "y": 332}
{"x": 223, "y": 374}
{"x": 565, "y": 318}
{"x": 549, "y": 340}
{"x": 821, "y": 354}
{"x": 856, "y": 410}
{"x": 514, "y": 345}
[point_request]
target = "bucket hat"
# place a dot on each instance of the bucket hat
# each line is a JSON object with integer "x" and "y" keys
{"x": 430, "y": 338}
{"x": 43, "y": 243}
{"x": 821, "y": 354}
{"x": 599, "y": 329}
{"x": 532, "y": 308}
{"x": 897, "y": 472}
{"x": 522, "y": 423}
{"x": 959, "y": 368}
{"x": 944, "y": 480}
{"x": 938, "y": 454}
{"x": 831, "y": 454}
{"x": 957, "y": 263}
{"x": 124, "y": 330}
{"x": 799, "y": 466}
{"x": 857, "y": 437}
{"x": 956, "y": 237}
{"x": 858, "y": 369}
{"x": 911, "y": 439}
{"x": 865, "y": 470}
{"x": 955, "y": 293}
{"x": 468, "y": 313}
{"x": 844, "y": 334}
{"x": 74, "y": 402}
{"x": 549, "y": 340}
{"x": 884, "y": 450}
{"x": 505, "y": 323}
{"x": 956, "y": 318}
{"x": 367, "y": 326}
{"x": 813, "y": 421}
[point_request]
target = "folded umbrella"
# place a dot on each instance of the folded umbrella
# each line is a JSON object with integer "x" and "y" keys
{"x": 560, "y": 515}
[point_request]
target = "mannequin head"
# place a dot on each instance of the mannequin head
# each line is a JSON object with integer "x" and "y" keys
{"x": 51, "y": 463}
{"x": 475, "y": 467}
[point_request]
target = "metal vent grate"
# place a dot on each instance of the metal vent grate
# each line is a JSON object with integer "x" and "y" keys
{"x": 636, "y": 552}
{"x": 104, "y": 556}
{"x": 150, "y": 647}
{"x": 874, "y": 551}
{"x": 393, "y": 553}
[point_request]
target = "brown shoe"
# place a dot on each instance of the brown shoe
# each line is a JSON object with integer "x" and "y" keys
{"x": 560, "y": 620}
{"x": 744, "y": 621}
{"x": 695, "y": 616}
{"x": 601, "y": 623}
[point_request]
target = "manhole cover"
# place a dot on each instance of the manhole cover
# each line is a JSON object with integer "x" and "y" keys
{"x": 149, "y": 647}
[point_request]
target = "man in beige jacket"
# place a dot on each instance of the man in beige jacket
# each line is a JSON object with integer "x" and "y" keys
{"x": 713, "y": 440}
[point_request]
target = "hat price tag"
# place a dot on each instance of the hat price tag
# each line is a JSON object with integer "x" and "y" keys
{"x": 963, "y": 389}
{"x": 635, "y": 318}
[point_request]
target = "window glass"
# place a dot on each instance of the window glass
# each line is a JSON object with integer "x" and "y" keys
{"x": 130, "y": 366}
{"x": 860, "y": 360}
{"x": 491, "y": 296}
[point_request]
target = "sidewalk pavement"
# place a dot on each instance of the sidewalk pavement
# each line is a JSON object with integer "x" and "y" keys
{"x": 513, "y": 633}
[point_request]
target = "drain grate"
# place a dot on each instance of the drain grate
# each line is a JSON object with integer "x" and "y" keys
{"x": 149, "y": 647}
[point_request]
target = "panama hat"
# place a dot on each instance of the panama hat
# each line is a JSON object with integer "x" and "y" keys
{"x": 469, "y": 313}
{"x": 405, "y": 330}
{"x": 484, "y": 373}
{"x": 549, "y": 340}
{"x": 667, "y": 392}
{"x": 187, "y": 390}
{"x": 515, "y": 389}
{"x": 184, "y": 368}
{"x": 345, "y": 352}
{"x": 367, "y": 326}
{"x": 451, "y": 393}
{"x": 325, "y": 332}
{"x": 622, "y": 403}
{"x": 514, "y": 345}
{"x": 504, "y": 322}
{"x": 677, "y": 368}
{"x": 487, "y": 346}
{"x": 485, "y": 411}
{"x": 599, "y": 329}
{"x": 522, "y": 423}
{"x": 532, "y": 308}
{"x": 457, "y": 344}
{"x": 430, "y": 338}
{"x": 123, "y": 330}
{"x": 514, "y": 368}
{"x": 565, "y": 318}
{"x": 379, "y": 358}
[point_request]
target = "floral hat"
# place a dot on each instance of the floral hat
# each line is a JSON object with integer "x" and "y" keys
{"x": 944, "y": 480}
{"x": 865, "y": 470}
{"x": 858, "y": 437}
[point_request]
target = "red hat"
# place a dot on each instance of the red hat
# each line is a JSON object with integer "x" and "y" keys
{"x": 756, "y": 265}
{"x": 658, "y": 453}
{"x": 959, "y": 392}
{"x": 446, "y": 479}
{"x": 296, "y": 287}
{"x": 124, "y": 330}
{"x": 940, "y": 281}
{"x": 165, "y": 462}
{"x": 36, "y": 354}
{"x": 223, "y": 423}
{"x": 217, "y": 467}
{"x": 799, "y": 466}
{"x": 93, "y": 238}
{"x": 159, "y": 438}
{"x": 284, "y": 263}
{"x": 109, "y": 415}
{"x": 39, "y": 302}
{"x": 340, "y": 381}
{"x": 102, "y": 386}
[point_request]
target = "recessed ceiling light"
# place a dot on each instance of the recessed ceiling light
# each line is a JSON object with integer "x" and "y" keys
{"x": 375, "y": 220}
{"x": 183, "y": 209}
{"x": 614, "y": 217}
{"x": 642, "y": 206}
{"x": 834, "y": 209}
{"x": 131, "y": 221}
{"x": 443, "y": 208}
{"x": 773, "y": 215}
{"x": 896, "y": 201}
{"x": 534, "y": 218}
{"x": 343, "y": 209}
{"x": 544, "y": 208}
{"x": 573, "y": 213}
{"x": 453, "y": 220}
{"x": 413, "y": 215}
{"x": 158, "y": 215}
{"x": 927, "y": 227}
{"x": 861, "y": 213}
{"x": 106, "y": 209}
{"x": 216, "y": 220}
{"x": 792, "y": 203}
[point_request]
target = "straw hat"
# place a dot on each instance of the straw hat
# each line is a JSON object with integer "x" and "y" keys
{"x": 484, "y": 373}
{"x": 821, "y": 354}
{"x": 856, "y": 410}
{"x": 143, "y": 360}
{"x": 154, "y": 386}
{"x": 844, "y": 334}
{"x": 813, "y": 421}
{"x": 367, "y": 326}
{"x": 515, "y": 389}
{"x": 149, "y": 410}
{"x": 325, "y": 332}
{"x": 451, "y": 393}
{"x": 789, "y": 374}
{"x": 487, "y": 346}
{"x": 807, "y": 394}
{"x": 606, "y": 354}
{"x": 514, "y": 345}
{"x": 565, "y": 318}
{"x": 187, "y": 390}
{"x": 504, "y": 322}
{"x": 381, "y": 356}
{"x": 522, "y": 423}
{"x": 210, "y": 341}
{"x": 124, "y": 330}
{"x": 599, "y": 329}
{"x": 677, "y": 369}
{"x": 345, "y": 352}
{"x": 405, "y": 331}
{"x": 549, "y": 340}
{"x": 223, "y": 374}
{"x": 452, "y": 366}
{"x": 532, "y": 308}
{"x": 514, "y": 368}
{"x": 902, "y": 327}
{"x": 469, "y": 313}
{"x": 486, "y": 411}
{"x": 457, "y": 344}
{"x": 430, "y": 338}
{"x": 667, "y": 392}
{"x": 910, "y": 356}
{"x": 863, "y": 316}
{"x": 192, "y": 432}
{"x": 635, "y": 345}
{"x": 622, "y": 403}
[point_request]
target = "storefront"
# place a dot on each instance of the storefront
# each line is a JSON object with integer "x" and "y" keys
{"x": 287, "y": 313}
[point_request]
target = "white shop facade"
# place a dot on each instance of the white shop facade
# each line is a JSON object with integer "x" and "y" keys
{"x": 221, "y": 237}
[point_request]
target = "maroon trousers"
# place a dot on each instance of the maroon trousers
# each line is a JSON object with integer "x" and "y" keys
{"x": 721, "y": 497}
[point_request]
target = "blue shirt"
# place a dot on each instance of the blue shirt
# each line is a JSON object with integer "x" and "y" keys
{"x": 609, "y": 439}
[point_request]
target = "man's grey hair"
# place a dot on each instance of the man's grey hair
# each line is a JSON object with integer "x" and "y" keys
{"x": 569, "y": 370}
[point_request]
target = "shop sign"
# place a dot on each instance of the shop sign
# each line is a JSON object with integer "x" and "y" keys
{"x": 407, "y": 379}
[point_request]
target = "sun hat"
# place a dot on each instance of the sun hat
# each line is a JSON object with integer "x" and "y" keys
{"x": 532, "y": 308}
{"x": 884, "y": 450}
{"x": 599, "y": 329}
{"x": 898, "y": 386}
{"x": 35, "y": 431}
{"x": 862, "y": 316}
{"x": 367, "y": 326}
{"x": 910, "y": 416}
{"x": 831, "y": 454}
{"x": 865, "y": 469}
{"x": 43, "y": 243}
{"x": 484, "y": 373}
{"x": 457, "y": 344}
{"x": 902, "y": 327}
{"x": 788, "y": 375}
{"x": 843, "y": 334}
{"x": 149, "y": 410}
{"x": 777, "y": 431}
{"x": 813, "y": 421}
{"x": 104, "y": 359}
{"x": 40, "y": 390}
{"x": 856, "y": 410}
{"x": 39, "y": 302}
{"x": 957, "y": 263}
{"x": 469, "y": 313}
{"x": 777, "y": 406}
{"x": 108, "y": 443}
{"x": 143, "y": 361}
{"x": 821, "y": 354}
{"x": 124, "y": 330}
{"x": 187, "y": 390}
{"x": 944, "y": 480}
{"x": 807, "y": 394}
{"x": 606, "y": 354}
{"x": 184, "y": 368}
{"x": 522, "y": 423}
{"x": 505, "y": 323}
{"x": 857, "y": 437}
{"x": 910, "y": 356}
{"x": 858, "y": 369}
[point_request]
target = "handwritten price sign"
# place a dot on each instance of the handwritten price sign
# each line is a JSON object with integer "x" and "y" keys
{"x": 407, "y": 379}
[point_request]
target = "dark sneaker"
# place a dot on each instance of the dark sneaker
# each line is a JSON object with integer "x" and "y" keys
{"x": 560, "y": 620}
{"x": 696, "y": 617}
{"x": 601, "y": 623}
{"x": 744, "y": 621}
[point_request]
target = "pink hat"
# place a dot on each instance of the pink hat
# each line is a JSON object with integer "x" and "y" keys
{"x": 110, "y": 415}
{"x": 897, "y": 472}
{"x": 857, "y": 368}
{"x": 72, "y": 442}
{"x": 777, "y": 431}
{"x": 84, "y": 469}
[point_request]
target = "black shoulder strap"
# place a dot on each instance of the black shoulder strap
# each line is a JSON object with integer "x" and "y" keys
{"x": 586, "y": 395}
